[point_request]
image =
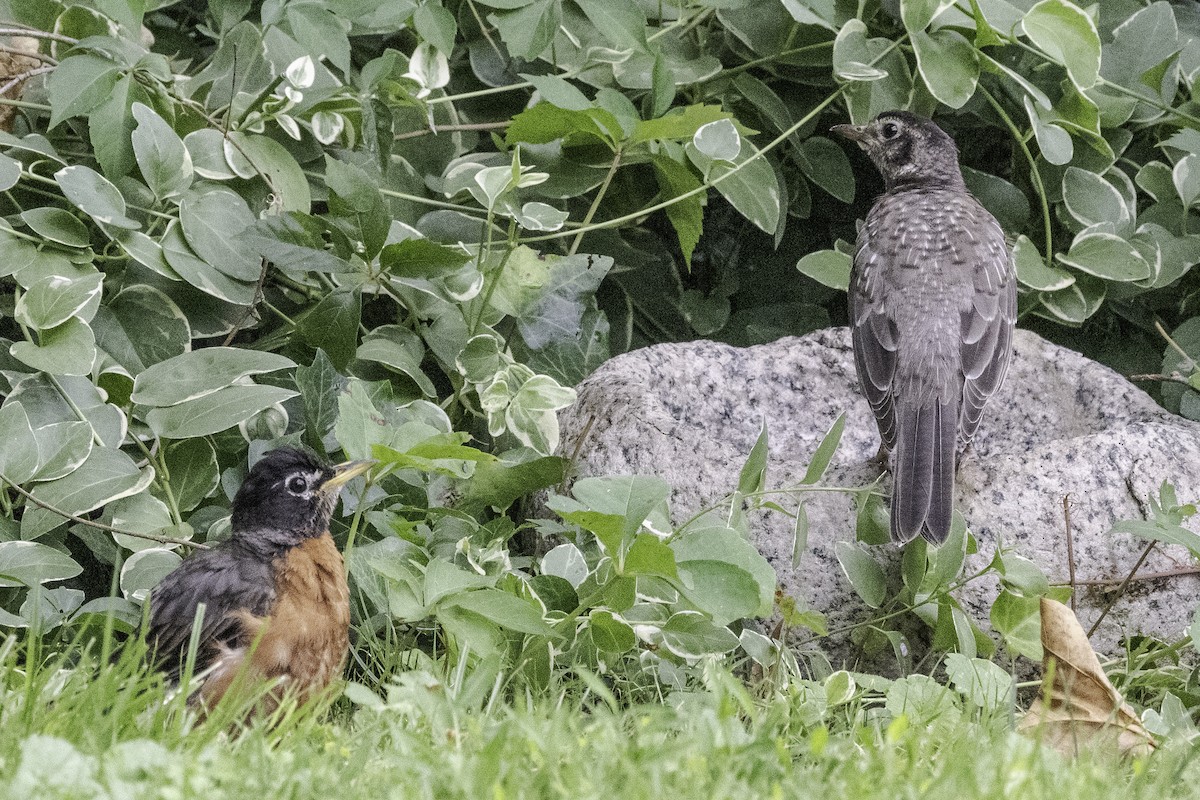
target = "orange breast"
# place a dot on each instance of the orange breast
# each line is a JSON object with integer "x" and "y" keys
{"x": 305, "y": 639}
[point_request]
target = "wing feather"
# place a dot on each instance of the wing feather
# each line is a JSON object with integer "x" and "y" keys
{"x": 225, "y": 584}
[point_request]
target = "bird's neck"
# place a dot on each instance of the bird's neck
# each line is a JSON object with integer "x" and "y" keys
{"x": 948, "y": 179}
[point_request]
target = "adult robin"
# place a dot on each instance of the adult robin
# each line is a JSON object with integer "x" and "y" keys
{"x": 276, "y": 605}
{"x": 933, "y": 301}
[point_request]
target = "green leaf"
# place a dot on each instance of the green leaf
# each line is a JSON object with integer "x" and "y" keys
{"x": 556, "y": 594}
{"x": 547, "y": 293}
{"x": 332, "y": 326}
{"x": 686, "y": 215}
{"x": 421, "y": 258}
{"x": 753, "y": 475}
{"x": 825, "y": 450}
{"x": 192, "y": 466}
{"x": 10, "y": 172}
{"x": 1054, "y": 142}
{"x": 269, "y": 159}
{"x": 195, "y": 374}
{"x": 1075, "y": 303}
{"x": 215, "y": 411}
{"x": 206, "y": 147}
{"x": 19, "y": 456}
{"x": 690, "y": 635}
{"x": 78, "y": 84}
{"x": 529, "y": 30}
{"x": 141, "y": 513}
{"x": 506, "y": 610}
{"x": 211, "y": 223}
{"x": 949, "y": 65}
{"x": 294, "y": 242}
{"x": 718, "y": 140}
{"x": 863, "y": 572}
{"x": 66, "y": 349}
{"x": 499, "y": 484}
{"x": 143, "y": 570}
{"x": 141, "y": 326}
{"x": 750, "y": 185}
{"x": 724, "y": 574}
{"x": 94, "y": 195}
{"x": 1068, "y": 35}
{"x": 147, "y": 252}
{"x": 609, "y": 634}
{"x": 1106, "y": 256}
{"x": 829, "y": 267}
{"x": 319, "y": 384}
{"x": 1023, "y": 575}
{"x": 984, "y": 684}
{"x": 105, "y": 476}
{"x": 199, "y": 273}
{"x": 53, "y": 300}
{"x": 61, "y": 447}
{"x": 163, "y": 160}
{"x": 545, "y": 122}
{"x": 632, "y": 497}
{"x": 1033, "y": 272}
{"x": 620, "y": 21}
{"x": 400, "y": 349}
{"x": 826, "y": 165}
{"x": 356, "y": 198}
{"x": 1186, "y": 177}
{"x": 678, "y": 124}
{"x": 32, "y": 564}
{"x": 436, "y": 25}
{"x": 567, "y": 562}
{"x": 57, "y": 225}
{"x": 917, "y": 14}
{"x": 648, "y": 556}
{"x": 1090, "y": 199}
{"x": 1018, "y": 619}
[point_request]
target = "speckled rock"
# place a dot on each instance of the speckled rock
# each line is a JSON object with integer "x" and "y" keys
{"x": 1062, "y": 424}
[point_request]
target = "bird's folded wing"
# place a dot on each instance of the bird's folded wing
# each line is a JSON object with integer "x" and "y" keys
{"x": 987, "y": 328}
{"x": 875, "y": 340}
{"x": 221, "y": 581}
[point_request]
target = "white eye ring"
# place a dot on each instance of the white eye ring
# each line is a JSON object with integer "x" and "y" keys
{"x": 297, "y": 485}
{"x": 890, "y": 130}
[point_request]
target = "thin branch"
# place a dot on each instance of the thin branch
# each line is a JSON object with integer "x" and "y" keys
{"x": 36, "y": 34}
{"x": 1174, "y": 377}
{"x": 24, "y": 76}
{"x": 35, "y": 55}
{"x": 1070, "y": 547}
{"x": 1122, "y": 587}
{"x": 93, "y": 524}
{"x": 466, "y": 126}
{"x": 1145, "y": 576}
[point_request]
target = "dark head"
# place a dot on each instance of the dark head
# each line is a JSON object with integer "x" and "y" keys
{"x": 908, "y": 150}
{"x": 288, "y": 497}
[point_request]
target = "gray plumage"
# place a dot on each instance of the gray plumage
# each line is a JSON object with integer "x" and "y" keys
{"x": 933, "y": 303}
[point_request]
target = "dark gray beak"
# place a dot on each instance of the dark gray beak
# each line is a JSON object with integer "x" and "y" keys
{"x": 855, "y": 133}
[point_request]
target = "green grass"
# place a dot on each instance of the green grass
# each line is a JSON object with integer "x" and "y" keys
{"x": 83, "y": 731}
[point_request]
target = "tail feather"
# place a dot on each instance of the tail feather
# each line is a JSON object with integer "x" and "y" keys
{"x": 923, "y": 491}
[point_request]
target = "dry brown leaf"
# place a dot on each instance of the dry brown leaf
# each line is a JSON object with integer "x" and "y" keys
{"x": 1082, "y": 709}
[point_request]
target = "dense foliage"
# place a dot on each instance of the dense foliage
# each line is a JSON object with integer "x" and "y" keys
{"x": 393, "y": 229}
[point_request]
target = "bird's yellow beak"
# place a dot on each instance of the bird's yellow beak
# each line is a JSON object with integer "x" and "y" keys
{"x": 342, "y": 473}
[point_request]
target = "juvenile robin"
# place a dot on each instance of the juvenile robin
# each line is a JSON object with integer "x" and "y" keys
{"x": 275, "y": 595}
{"x": 933, "y": 301}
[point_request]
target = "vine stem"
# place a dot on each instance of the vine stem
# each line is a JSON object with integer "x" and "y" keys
{"x": 93, "y": 524}
{"x": 36, "y": 34}
{"x": 1034, "y": 175}
{"x": 591, "y": 212}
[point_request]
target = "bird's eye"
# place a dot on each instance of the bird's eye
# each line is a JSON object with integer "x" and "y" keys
{"x": 890, "y": 129}
{"x": 297, "y": 485}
